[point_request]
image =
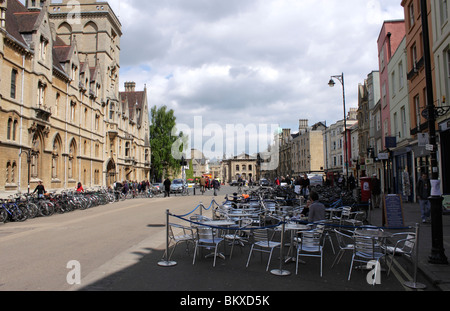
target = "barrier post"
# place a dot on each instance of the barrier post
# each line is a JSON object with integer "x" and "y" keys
{"x": 414, "y": 284}
{"x": 167, "y": 262}
{"x": 281, "y": 272}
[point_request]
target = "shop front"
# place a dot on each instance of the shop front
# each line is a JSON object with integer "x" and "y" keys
{"x": 403, "y": 174}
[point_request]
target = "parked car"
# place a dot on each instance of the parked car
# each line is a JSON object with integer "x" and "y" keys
{"x": 177, "y": 185}
{"x": 234, "y": 183}
{"x": 264, "y": 183}
{"x": 315, "y": 179}
{"x": 157, "y": 187}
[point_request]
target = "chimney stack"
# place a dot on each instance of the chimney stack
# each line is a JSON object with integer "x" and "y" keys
{"x": 130, "y": 86}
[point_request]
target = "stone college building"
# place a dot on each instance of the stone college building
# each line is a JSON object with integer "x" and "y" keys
{"x": 63, "y": 119}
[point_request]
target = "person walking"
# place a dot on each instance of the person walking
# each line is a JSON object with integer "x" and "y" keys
{"x": 376, "y": 192}
{"x": 423, "y": 194}
{"x": 216, "y": 186}
{"x": 203, "y": 184}
{"x": 167, "y": 184}
{"x": 40, "y": 189}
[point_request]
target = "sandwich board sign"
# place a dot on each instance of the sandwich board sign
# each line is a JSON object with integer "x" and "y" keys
{"x": 393, "y": 216}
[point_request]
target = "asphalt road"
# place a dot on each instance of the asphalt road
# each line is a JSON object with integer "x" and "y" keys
{"x": 117, "y": 247}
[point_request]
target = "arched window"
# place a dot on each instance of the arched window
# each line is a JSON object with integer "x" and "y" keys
{"x": 56, "y": 158}
{"x": 72, "y": 167}
{"x": 9, "y": 128}
{"x": 14, "y": 130}
{"x": 8, "y": 170}
{"x": 13, "y": 172}
{"x": 35, "y": 157}
{"x": 127, "y": 149}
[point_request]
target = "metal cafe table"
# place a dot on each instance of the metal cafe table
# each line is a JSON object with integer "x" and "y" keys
{"x": 217, "y": 224}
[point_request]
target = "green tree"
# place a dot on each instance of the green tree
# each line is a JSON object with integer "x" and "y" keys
{"x": 162, "y": 140}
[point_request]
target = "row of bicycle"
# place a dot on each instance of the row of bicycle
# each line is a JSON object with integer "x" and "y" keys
{"x": 21, "y": 207}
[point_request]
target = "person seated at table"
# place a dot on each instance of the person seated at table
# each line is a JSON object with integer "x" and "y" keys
{"x": 316, "y": 209}
{"x": 305, "y": 211}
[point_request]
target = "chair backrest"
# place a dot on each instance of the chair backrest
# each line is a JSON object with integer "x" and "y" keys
{"x": 261, "y": 235}
{"x": 410, "y": 243}
{"x": 346, "y": 211}
{"x": 198, "y": 218}
{"x": 311, "y": 240}
{"x": 246, "y": 222}
{"x": 343, "y": 237}
{"x": 206, "y": 233}
{"x": 366, "y": 246}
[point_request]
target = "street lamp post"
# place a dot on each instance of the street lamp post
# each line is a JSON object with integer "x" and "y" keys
{"x": 340, "y": 78}
{"x": 437, "y": 248}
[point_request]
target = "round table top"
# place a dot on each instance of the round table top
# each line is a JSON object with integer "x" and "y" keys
{"x": 333, "y": 209}
{"x": 239, "y": 215}
{"x": 373, "y": 233}
{"x": 218, "y": 223}
{"x": 296, "y": 227}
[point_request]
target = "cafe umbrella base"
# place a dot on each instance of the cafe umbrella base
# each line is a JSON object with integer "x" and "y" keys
{"x": 415, "y": 285}
{"x": 164, "y": 263}
{"x": 280, "y": 272}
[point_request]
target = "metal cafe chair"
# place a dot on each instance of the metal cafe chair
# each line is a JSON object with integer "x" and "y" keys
{"x": 236, "y": 234}
{"x": 311, "y": 245}
{"x": 403, "y": 246}
{"x": 366, "y": 249}
{"x": 345, "y": 243}
{"x": 262, "y": 243}
{"x": 207, "y": 237}
{"x": 184, "y": 234}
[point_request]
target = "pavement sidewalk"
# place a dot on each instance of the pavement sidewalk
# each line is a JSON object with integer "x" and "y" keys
{"x": 437, "y": 274}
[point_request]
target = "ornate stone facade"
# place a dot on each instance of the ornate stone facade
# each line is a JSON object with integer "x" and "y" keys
{"x": 64, "y": 120}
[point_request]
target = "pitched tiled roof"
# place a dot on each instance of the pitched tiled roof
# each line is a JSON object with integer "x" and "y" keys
{"x": 12, "y": 23}
{"x": 135, "y": 101}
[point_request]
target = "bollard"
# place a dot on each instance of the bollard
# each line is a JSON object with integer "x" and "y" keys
{"x": 414, "y": 284}
{"x": 167, "y": 263}
{"x": 281, "y": 272}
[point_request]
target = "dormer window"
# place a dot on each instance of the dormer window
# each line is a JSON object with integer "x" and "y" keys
{"x": 43, "y": 48}
{"x": 74, "y": 72}
{"x": 41, "y": 93}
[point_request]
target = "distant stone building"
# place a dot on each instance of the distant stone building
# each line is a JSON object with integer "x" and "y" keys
{"x": 244, "y": 166}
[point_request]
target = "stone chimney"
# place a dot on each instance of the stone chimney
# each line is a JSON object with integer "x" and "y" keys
{"x": 302, "y": 125}
{"x": 3, "y": 7}
{"x": 130, "y": 86}
{"x": 36, "y": 4}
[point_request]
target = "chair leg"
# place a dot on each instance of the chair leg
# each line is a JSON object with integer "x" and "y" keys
{"x": 249, "y": 256}
{"x": 215, "y": 255}
{"x": 336, "y": 259}
{"x": 195, "y": 253}
{"x": 270, "y": 257}
{"x": 321, "y": 263}
{"x": 331, "y": 242}
{"x": 351, "y": 268}
{"x": 392, "y": 261}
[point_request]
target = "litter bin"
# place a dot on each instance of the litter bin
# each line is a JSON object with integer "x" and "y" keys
{"x": 365, "y": 189}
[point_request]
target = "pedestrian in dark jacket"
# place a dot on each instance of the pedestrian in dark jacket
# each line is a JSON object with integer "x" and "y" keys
{"x": 167, "y": 184}
{"x": 423, "y": 194}
{"x": 376, "y": 192}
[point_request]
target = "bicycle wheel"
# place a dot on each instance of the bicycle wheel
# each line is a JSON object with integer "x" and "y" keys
{"x": 3, "y": 215}
{"x": 19, "y": 213}
{"x": 31, "y": 208}
{"x": 44, "y": 209}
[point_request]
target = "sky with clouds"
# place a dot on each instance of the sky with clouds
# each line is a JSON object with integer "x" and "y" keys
{"x": 251, "y": 61}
